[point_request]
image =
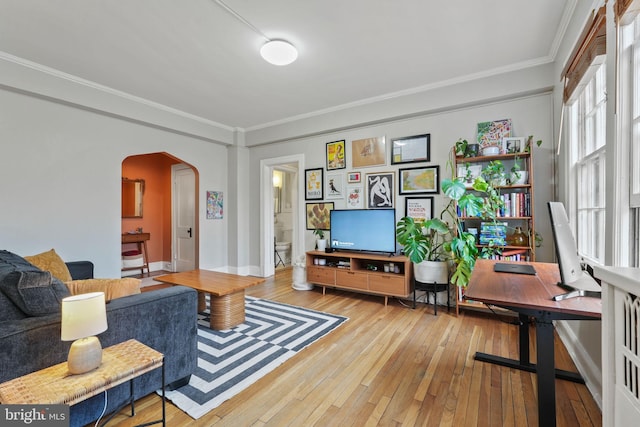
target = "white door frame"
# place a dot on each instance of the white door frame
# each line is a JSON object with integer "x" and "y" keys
{"x": 267, "y": 234}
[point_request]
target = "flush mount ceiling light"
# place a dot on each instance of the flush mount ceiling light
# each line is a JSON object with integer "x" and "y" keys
{"x": 278, "y": 52}
{"x": 274, "y": 51}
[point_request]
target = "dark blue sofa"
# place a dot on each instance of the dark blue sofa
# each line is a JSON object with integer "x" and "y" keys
{"x": 164, "y": 319}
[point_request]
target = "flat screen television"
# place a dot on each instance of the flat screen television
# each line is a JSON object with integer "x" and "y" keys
{"x": 367, "y": 230}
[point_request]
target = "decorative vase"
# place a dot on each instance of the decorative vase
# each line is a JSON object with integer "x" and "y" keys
{"x": 519, "y": 238}
{"x": 322, "y": 244}
{"x": 472, "y": 150}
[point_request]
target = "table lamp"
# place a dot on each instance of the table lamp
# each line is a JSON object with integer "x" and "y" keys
{"x": 83, "y": 317}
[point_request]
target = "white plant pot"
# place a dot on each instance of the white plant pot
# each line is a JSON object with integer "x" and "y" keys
{"x": 431, "y": 272}
{"x": 524, "y": 177}
{"x": 322, "y": 244}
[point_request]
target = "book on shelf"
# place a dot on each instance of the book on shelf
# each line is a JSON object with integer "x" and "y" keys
{"x": 513, "y": 255}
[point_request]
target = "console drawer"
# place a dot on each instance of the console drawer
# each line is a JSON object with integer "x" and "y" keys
{"x": 387, "y": 284}
{"x": 321, "y": 275}
{"x": 352, "y": 279}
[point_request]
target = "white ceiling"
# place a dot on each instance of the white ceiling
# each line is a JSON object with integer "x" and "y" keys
{"x": 193, "y": 56}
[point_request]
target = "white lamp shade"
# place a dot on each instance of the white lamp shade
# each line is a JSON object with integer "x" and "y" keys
{"x": 279, "y": 52}
{"x": 83, "y": 315}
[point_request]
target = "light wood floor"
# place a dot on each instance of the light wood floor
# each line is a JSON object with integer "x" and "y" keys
{"x": 389, "y": 366}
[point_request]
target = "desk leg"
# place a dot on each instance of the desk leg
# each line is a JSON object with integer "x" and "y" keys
{"x": 545, "y": 374}
{"x": 524, "y": 339}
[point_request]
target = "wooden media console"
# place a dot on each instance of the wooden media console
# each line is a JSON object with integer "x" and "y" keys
{"x": 361, "y": 272}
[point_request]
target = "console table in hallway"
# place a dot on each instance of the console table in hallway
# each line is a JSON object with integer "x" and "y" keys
{"x": 140, "y": 239}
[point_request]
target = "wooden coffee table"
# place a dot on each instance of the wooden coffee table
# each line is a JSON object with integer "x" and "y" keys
{"x": 226, "y": 293}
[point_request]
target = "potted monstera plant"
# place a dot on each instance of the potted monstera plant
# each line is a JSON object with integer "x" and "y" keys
{"x": 424, "y": 244}
{"x": 482, "y": 200}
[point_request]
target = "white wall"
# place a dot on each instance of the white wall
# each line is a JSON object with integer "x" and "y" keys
{"x": 60, "y": 172}
{"x": 530, "y": 115}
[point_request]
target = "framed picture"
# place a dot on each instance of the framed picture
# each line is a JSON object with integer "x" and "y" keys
{"x": 513, "y": 144}
{"x": 335, "y": 185}
{"x": 353, "y": 177}
{"x": 379, "y": 190}
{"x": 368, "y": 152}
{"x": 318, "y": 216}
{"x": 411, "y": 149}
{"x": 490, "y": 134}
{"x": 469, "y": 172}
{"x": 418, "y": 208}
{"x": 355, "y": 196}
{"x": 420, "y": 180}
{"x": 215, "y": 204}
{"x": 313, "y": 189}
{"x": 335, "y": 155}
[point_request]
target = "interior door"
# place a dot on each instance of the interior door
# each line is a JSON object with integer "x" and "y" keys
{"x": 184, "y": 199}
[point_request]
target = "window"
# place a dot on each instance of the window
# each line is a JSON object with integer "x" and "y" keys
{"x": 629, "y": 78}
{"x": 587, "y": 140}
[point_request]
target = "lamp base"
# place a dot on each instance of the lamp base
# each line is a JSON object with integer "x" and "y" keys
{"x": 85, "y": 355}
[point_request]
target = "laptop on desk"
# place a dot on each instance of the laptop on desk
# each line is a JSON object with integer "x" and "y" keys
{"x": 572, "y": 277}
{"x": 503, "y": 267}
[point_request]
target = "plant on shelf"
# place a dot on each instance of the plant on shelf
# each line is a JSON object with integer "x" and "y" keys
{"x": 461, "y": 147}
{"x": 494, "y": 173}
{"x": 321, "y": 242}
{"x": 424, "y": 243}
{"x": 518, "y": 175}
{"x": 528, "y": 144}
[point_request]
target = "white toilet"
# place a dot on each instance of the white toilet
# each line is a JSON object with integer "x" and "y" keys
{"x": 284, "y": 250}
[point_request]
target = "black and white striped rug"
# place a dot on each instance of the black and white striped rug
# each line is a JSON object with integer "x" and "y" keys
{"x": 230, "y": 361}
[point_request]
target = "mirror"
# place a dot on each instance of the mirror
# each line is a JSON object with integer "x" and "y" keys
{"x": 132, "y": 191}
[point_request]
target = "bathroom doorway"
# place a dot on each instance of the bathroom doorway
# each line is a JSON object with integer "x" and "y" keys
{"x": 281, "y": 212}
{"x": 284, "y": 178}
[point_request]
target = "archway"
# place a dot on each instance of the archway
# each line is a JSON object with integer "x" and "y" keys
{"x": 156, "y": 171}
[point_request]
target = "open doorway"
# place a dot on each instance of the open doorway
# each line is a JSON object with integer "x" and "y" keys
{"x": 281, "y": 212}
{"x": 158, "y": 205}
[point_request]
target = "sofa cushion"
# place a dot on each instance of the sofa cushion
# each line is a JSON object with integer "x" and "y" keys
{"x": 51, "y": 261}
{"x": 8, "y": 310}
{"x": 112, "y": 288}
{"x": 34, "y": 292}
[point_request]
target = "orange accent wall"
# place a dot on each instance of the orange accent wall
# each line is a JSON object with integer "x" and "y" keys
{"x": 155, "y": 169}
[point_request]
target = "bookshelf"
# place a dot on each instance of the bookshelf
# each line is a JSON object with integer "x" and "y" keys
{"x": 518, "y": 212}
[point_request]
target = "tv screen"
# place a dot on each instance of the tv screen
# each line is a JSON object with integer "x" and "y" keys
{"x": 369, "y": 230}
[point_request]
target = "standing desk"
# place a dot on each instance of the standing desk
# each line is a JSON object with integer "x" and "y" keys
{"x": 531, "y": 297}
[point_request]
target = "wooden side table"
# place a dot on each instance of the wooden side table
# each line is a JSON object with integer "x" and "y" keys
{"x": 55, "y": 385}
{"x": 140, "y": 239}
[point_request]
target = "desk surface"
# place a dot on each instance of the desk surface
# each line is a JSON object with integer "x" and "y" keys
{"x": 213, "y": 282}
{"x": 55, "y": 385}
{"x": 524, "y": 291}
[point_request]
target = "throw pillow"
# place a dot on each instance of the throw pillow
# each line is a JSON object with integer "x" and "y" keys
{"x": 112, "y": 288}
{"x": 51, "y": 261}
{"x": 34, "y": 292}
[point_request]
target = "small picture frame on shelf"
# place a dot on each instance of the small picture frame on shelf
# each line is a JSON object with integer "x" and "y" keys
{"x": 513, "y": 144}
